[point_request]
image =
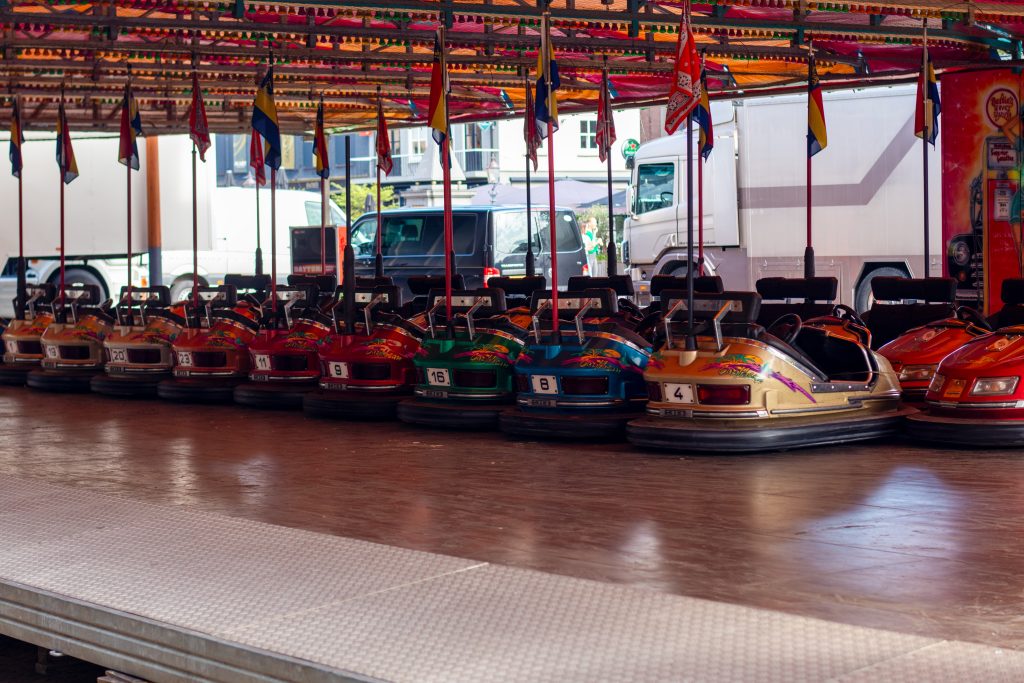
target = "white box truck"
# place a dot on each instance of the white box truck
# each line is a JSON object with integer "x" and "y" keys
{"x": 868, "y": 216}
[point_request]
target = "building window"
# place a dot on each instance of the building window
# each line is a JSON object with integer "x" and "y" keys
{"x": 417, "y": 144}
{"x": 588, "y": 134}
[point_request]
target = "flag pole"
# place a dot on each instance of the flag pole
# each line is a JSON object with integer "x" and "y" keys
{"x": 607, "y": 102}
{"x": 446, "y": 168}
{"x": 128, "y": 171}
{"x": 553, "y": 247}
{"x": 323, "y": 210}
{"x": 691, "y": 338}
{"x": 927, "y": 132}
{"x": 259, "y": 250}
{"x": 809, "y": 248}
{"x": 66, "y": 134}
{"x": 378, "y": 262}
{"x": 348, "y": 275}
{"x": 20, "y": 312}
{"x": 195, "y": 235}
{"x": 700, "y": 186}
{"x": 273, "y": 238}
{"x": 531, "y": 267}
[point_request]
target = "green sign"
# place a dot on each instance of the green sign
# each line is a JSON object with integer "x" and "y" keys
{"x": 629, "y": 148}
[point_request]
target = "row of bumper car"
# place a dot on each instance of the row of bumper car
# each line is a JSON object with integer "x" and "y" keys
{"x": 713, "y": 371}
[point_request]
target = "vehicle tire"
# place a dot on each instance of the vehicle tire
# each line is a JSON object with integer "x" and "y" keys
{"x": 863, "y": 298}
{"x": 81, "y": 276}
{"x": 182, "y": 287}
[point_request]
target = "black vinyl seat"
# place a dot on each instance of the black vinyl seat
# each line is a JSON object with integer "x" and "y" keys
{"x": 622, "y": 285}
{"x": 518, "y": 290}
{"x": 901, "y": 304}
{"x": 806, "y": 297}
{"x": 1012, "y": 312}
{"x": 422, "y": 286}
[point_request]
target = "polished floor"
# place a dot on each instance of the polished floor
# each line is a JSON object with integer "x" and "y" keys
{"x": 894, "y": 536}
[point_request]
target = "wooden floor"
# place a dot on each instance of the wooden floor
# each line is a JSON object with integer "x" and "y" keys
{"x": 887, "y": 535}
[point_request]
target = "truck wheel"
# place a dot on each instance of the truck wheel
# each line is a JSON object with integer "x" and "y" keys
{"x": 863, "y": 298}
{"x": 181, "y": 288}
{"x": 80, "y": 276}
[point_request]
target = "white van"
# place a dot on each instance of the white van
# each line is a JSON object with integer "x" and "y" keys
{"x": 232, "y": 237}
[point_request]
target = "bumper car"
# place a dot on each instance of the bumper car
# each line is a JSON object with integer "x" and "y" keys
{"x": 976, "y": 397}
{"x": 586, "y": 379}
{"x": 724, "y": 384}
{"x": 900, "y": 304}
{"x": 368, "y": 369}
{"x": 212, "y": 358}
{"x": 284, "y": 357}
{"x": 138, "y": 350}
{"x": 73, "y": 343}
{"x": 23, "y": 350}
{"x": 464, "y": 375}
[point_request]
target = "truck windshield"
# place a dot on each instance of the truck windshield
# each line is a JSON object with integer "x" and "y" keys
{"x": 414, "y": 235}
{"x": 655, "y": 184}
{"x": 335, "y": 217}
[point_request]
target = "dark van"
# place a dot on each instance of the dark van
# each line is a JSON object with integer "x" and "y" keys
{"x": 489, "y": 241}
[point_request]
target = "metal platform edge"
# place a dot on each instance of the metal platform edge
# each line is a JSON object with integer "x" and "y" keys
{"x": 143, "y": 647}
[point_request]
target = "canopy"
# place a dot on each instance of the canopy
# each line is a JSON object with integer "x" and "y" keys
{"x": 346, "y": 51}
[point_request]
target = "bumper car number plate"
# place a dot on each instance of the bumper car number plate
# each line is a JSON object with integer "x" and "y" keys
{"x": 339, "y": 370}
{"x": 262, "y": 361}
{"x": 184, "y": 358}
{"x": 51, "y": 351}
{"x": 118, "y": 355}
{"x": 544, "y": 384}
{"x": 439, "y": 377}
{"x": 678, "y": 393}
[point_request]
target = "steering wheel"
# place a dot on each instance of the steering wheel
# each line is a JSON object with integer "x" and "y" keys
{"x": 794, "y": 321}
{"x": 972, "y": 316}
{"x": 844, "y": 312}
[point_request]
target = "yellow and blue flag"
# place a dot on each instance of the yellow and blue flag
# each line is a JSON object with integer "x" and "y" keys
{"x": 702, "y": 115}
{"x": 437, "y": 111}
{"x": 323, "y": 160}
{"x": 131, "y": 128}
{"x": 817, "y": 134}
{"x": 65, "y": 154}
{"x": 547, "y": 67}
{"x": 927, "y": 126}
{"x": 264, "y": 119}
{"x": 17, "y": 139}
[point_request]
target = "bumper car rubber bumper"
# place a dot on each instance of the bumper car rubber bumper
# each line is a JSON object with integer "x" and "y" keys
{"x": 451, "y": 414}
{"x": 754, "y": 436}
{"x": 282, "y": 395}
{"x": 127, "y": 386}
{"x": 15, "y": 375}
{"x": 63, "y": 381}
{"x": 591, "y": 425}
{"x": 194, "y": 390}
{"x": 352, "y": 405}
{"x": 940, "y": 430}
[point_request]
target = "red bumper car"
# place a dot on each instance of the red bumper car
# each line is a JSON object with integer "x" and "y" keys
{"x": 73, "y": 343}
{"x": 22, "y": 347}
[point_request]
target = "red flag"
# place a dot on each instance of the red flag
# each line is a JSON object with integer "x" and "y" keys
{"x": 198, "y": 128}
{"x": 256, "y": 158}
{"x": 685, "y": 92}
{"x": 384, "y": 162}
{"x": 530, "y": 131}
{"x": 605, "y": 123}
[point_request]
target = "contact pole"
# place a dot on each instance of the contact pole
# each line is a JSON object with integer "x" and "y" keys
{"x": 61, "y": 297}
{"x": 449, "y": 248}
{"x": 20, "y": 313}
{"x": 259, "y": 250}
{"x": 531, "y": 267}
{"x": 924, "y": 161}
{"x": 606, "y": 94}
{"x": 691, "y": 338}
{"x": 809, "y": 249}
{"x": 273, "y": 239}
{"x": 700, "y": 216}
{"x": 195, "y": 235}
{"x": 323, "y": 227}
{"x": 349, "y": 266}
{"x": 553, "y": 248}
{"x": 378, "y": 263}
{"x": 128, "y": 170}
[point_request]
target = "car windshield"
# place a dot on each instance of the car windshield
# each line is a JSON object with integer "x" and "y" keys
{"x": 510, "y": 232}
{"x": 414, "y": 234}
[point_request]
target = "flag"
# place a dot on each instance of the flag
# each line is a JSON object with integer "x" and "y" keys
{"x": 17, "y": 139}
{"x": 684, "y": 94}
{"x": 264, "y": 119}
{"x": 702, "y": 115}
{"x": 256, "y": 158}
{"x": 198, "y": 128}
{"x": 131, "y": 128}
{"x": 323, "y": 159}
{"x": 546, "y": 64}
{"x": 605, "y": 137}
{"x": 437, "y": 112}
{"x": 817, "y": 135}
{"x": 65, "y": 154}
{"x": 927, "y": 91}
{"x": 384, "y": 162}
{"x": 531, "y": 131}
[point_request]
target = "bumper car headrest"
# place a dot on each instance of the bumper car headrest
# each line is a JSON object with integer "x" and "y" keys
{"x": 809, "y": 289}
{"x": 707, "y": 284}
{"x": 286, "y": 293}
{"x": 323, "y": 283}
{"x": 247, "y": 283}
{"x": 571, "y": 302}
{"x": 1012, "y": 291}
{"x": 622, "y": 285}
{"x": 222, "y": 296}
{"x": 46, "y": 292}
{"x": 745, "y": 305}
{"x": 927, "y": 290}
{"x": 382, "y": 281}
{"x": 420, "y": 285}
{"x": 464, "y": 300}
{"x": 159, "y": 295}
{"x": 519, "y": 286}
{"x": 391, "y": 297}
{"x": 83, "y": 295}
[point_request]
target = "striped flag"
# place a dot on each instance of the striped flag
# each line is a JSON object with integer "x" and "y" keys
{"x": 530, "y": 129}
{"x": 198, "y": 128}
{"x": 323, "y": 159}
{"x": 547, "y": 67}
{"x": 264, "y": 119}
{"x": 926, "y": 124}
{"x": 702, "y": 114}
{"x": 437, "y": 112}
{"x": 384, "y": 162}
{"x": 256, "y": 158}
{"x": 65, "y": 154}
{"x": 17, "y": 139}
{"x": 684, "y": 94}
{"x": 605, "y": 137}
{"x": 131, "y": 129}
{"x": 817, "y": 135}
